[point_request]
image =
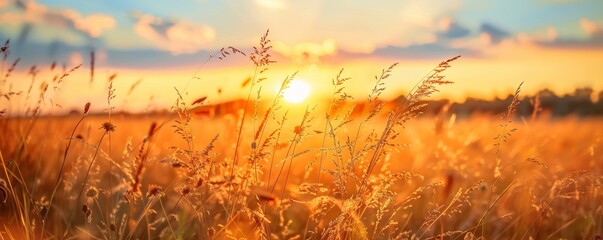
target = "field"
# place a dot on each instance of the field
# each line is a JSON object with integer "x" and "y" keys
{"x": 430, "y": 183}
{"x": 267, "y": 170}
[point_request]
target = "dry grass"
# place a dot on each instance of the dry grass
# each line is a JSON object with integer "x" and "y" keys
{"x": 324, "y": 173}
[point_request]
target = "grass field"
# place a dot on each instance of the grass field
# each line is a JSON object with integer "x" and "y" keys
{"x": 431, "y": 183}
{"x": 270, "y": 171}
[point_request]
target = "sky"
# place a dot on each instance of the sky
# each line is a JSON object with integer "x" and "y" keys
{"x": 160, "y": 45}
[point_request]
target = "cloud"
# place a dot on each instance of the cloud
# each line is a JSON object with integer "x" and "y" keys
{"x": 450, "y": 29}
{"x": 95, "y": 24}
{"x": 594, "y": 37}
{"x": 272, "y": 4}
{"x": 360, "y": 26}
{"x": 176, "y": 37}
{"x": 3, "y": 3}
{"x": 424, "y": 51}
{"x": 492, "y": 34}
{"x": 306, "y": 52}
{"x": 418, "y": 51}
{"x": 590, "y": 27}
{"x": 31, "y": 12}
{"x": 548, "y": 35}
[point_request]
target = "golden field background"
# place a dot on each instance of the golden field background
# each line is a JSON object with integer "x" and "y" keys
{"x": 549, "y": 187}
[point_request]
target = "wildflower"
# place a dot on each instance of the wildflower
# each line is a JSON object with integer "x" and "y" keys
{"x": 92, "y": 192}
{"x": 108, "y": 126}
{"x": 297, "y": 130}
{"x": 154, "y": 190}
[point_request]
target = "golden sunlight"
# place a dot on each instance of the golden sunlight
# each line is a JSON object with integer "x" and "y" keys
{"x": 297, "y": 91}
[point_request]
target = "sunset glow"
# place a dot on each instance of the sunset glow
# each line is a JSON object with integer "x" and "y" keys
{"x": 297, "y": 92}
{"x": 548, "y": 43}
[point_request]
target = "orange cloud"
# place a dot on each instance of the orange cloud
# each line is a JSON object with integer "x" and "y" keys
{"x": 590, "y": 27}
{"x": 3, "y": 3}
{"x": 95, "y": 24}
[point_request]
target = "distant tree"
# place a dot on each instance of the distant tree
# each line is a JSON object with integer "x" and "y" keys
{"x": 547, "y": 94}
{"x": 583, "y": 93}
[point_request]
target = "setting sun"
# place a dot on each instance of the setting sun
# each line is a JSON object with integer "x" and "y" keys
{"x": 297, "y": 91}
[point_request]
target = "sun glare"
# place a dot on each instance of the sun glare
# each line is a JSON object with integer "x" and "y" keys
{"x": 297, "y": 91}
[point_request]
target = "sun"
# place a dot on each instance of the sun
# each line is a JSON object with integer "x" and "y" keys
{"x": 297, "y": 91}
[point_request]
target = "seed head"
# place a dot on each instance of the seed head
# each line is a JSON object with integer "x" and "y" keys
{"x": 153, "y": 129}
{"x": 108, "y": 126}
{"x": 92, "y": 192}
{"x": 86, "y": 108}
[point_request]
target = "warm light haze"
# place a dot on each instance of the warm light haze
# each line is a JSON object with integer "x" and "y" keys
{"x": 547, "y": 43}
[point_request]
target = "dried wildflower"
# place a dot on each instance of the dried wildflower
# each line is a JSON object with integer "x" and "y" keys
{"x": 185, "y": 190}
{"x": 108, "y": 126}
{"x": 132, "y": 195}
{"x": 92, "y": 192}
{"x": 154, "y": 191}
{"x": 297, "y": 130}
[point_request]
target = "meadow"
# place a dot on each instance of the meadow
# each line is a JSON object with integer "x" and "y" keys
{"x": 328, "y": 171}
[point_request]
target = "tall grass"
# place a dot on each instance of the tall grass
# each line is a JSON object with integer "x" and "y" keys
{"x": 347, "y": 170}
